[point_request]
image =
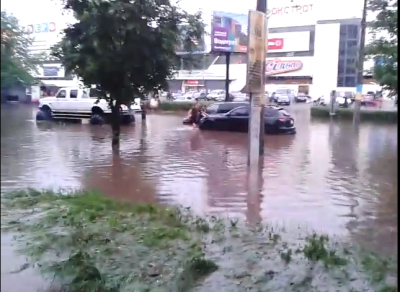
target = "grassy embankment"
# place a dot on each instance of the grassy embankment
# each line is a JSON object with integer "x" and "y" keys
{"x": 383, "y": 116}
{"x": 94, "y": 244}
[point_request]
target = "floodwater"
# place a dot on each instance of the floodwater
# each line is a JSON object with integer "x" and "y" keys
{"x": 328, "y": 177}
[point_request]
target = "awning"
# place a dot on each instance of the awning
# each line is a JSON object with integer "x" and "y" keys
{"x": 59, "y": 83}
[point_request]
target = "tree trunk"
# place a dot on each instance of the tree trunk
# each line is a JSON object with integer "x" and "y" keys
{"x": 115, "y": 125}
{"x": 143, "y": 108}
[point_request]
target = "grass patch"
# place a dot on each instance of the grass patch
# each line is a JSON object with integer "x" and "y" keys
{"x": 365, "y": 115}
{"x": 94, "y": 244}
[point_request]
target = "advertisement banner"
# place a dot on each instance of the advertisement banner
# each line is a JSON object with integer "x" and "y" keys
{"x": 289, "y": 42}
{"x": 256, "y": 51}
{"x": 278, "y": 66}
{"x": 229, "y": 32}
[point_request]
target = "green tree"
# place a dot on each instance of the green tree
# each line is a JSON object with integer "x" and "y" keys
{"x": 126, "y": 48}
{"x": 16, "y": 62}
{"x": 383, "y": 47}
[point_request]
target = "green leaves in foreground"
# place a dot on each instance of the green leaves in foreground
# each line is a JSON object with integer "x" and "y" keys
{"x": 94, "y": 244}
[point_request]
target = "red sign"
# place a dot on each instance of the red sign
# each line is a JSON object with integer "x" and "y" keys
{"x": 278, "y": 66}
{"x": 192, "y": 82}
{"x": 275, "y": 44}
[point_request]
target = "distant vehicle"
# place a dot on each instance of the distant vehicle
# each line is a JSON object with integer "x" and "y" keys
{"x": 219, "y": 108}
{"x": 202, "y": 95}
{"x": 187, "y": 97}
{"x": 276, "y": 121}
{"x": 284, "y": 96}
{"x": 301, "y": 97}
{"x": 239, "y": 96}
{"x": 175, "y": 95}
{"x": 217, "y": 95}
{"x": 283, "y": 99}
{"x": 74, "y": 103}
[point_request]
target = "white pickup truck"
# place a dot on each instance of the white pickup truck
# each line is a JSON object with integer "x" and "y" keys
{"x": 76, "y": 104}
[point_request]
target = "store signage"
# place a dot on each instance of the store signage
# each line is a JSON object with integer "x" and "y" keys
{"x": 41, "y": 27}
{"x": 278, "y": 66}
{"x": 193, "y": 83}
{"x": 275, "y": 44}
{"x": 289, "y": 42}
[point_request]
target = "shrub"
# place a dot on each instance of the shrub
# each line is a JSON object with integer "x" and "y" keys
{"x": 177, "y": 106}
{"x": 365, "y": 115}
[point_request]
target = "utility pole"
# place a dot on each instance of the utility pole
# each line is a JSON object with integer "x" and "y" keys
{"x": 360, "y": 66}
{"x": 227, "y": 81}
{"x": 256, "y": 53}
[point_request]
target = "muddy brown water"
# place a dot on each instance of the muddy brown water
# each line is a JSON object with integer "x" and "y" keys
{"x": 328, "y": 177}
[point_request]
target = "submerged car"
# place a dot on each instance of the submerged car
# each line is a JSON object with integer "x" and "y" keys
{"x": 219, "y": 108}
{"x": 276, "y": 121}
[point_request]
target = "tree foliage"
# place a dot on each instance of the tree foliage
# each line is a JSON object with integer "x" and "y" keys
{"x": 126, "y": 48}
{"x": 384, "y": 45}
{"x": 16, "y": 62}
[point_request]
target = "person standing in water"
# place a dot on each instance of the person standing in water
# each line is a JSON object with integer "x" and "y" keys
{"x": 195, "y": 114}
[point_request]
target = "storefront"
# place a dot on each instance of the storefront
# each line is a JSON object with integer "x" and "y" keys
{"x": 312, "y": 45}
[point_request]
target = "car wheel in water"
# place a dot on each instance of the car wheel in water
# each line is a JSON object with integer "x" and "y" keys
{"x": 97, "y": 119}
{"x": 43, "y": 115}
{"x": 128, "y": 119}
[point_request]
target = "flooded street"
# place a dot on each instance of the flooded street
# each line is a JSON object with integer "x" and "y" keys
{"x": 327, "y": 177}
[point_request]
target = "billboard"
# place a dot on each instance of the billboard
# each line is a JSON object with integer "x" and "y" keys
{"x": 229, "y": 32}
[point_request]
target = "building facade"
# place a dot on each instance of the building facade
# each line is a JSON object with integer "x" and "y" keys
{"x": 312, "y": 47}
{"x": 45, "y": 35}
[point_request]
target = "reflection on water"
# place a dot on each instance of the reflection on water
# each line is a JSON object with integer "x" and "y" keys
{"x": 328, "y": 177}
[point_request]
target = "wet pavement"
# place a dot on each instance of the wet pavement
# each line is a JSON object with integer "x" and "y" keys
{"x": 328, "y": 177}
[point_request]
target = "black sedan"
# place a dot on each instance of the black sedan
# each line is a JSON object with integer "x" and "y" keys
{"x": 276, "y": 121}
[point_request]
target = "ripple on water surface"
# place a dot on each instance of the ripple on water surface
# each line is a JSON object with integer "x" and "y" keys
{"x": 328, "y": 177}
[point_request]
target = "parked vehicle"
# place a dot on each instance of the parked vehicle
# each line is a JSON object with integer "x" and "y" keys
{"x": 301, "y": 97}
{"x": 286, "y": 95}
{"x": 73, "y": 103}
{"x": 201, "y": 95}
{"x": 187, "y": 97}
{"x": 283, "y": 99}
{"x": 239, "y": 96}
{"x": 276, "y": 121}
{"x": 218, "y": 95}
{"x": 219, "y": 108}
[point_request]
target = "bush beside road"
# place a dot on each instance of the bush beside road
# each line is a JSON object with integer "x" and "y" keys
{"x": 374, "y": 115}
